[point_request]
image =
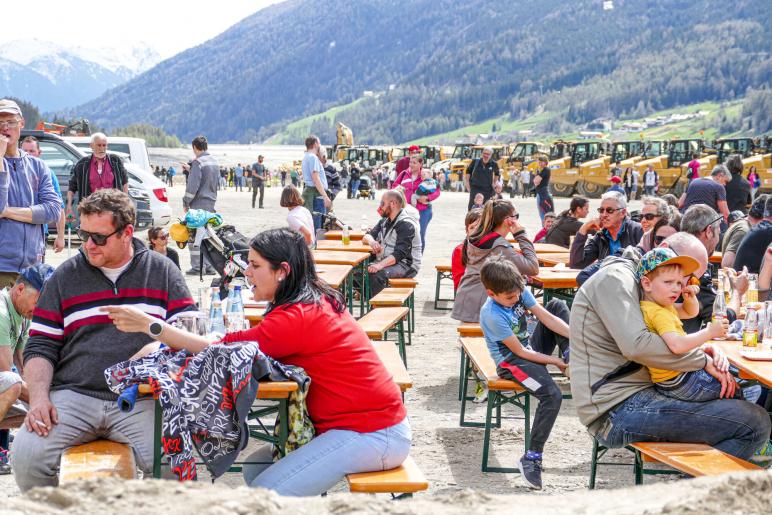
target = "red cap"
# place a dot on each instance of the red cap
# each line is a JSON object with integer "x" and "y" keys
{"x": 414, "y": 148}
{"x": 616, "y": 179}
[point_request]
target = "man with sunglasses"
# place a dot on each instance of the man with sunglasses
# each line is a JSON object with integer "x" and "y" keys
{"x": 613, "y": 231}
{"x": 27, "y": 199}
{"x": 72, "y": 341}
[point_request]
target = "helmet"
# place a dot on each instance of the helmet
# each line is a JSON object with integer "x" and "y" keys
{"x": 180, "y": 234}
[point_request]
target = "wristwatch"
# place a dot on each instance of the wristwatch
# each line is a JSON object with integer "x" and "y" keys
{"x": 155, "y": 329}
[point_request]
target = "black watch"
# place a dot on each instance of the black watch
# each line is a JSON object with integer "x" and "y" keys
{"x": 155, "y": 329}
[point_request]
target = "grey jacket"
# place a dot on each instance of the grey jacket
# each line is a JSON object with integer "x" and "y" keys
{"x": 611, "y": 346}
{"x": 387, "y": 234}
{"x": 201, "y": 191}
{"x": 471, "y": 295}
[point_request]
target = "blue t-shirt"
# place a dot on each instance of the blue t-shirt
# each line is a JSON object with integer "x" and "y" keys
{"x": 310, "y": 164}
{"x": 239, "y": 172}
{"x": 499, "y": 323}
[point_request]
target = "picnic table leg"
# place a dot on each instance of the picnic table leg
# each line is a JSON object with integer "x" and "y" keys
{"x": 157, "y": 455}
{"x": 464, "y": 385}
{"x": 411, "y": 306}
{"x": 283, "y": 424}
{"x": 461, "y": 377}
{"x": 487, "y": 437}
{"x": 364, "y": 296}
{"x": 638, "y": 469}
{"x": 350, "y": 291}
{"x": 546, "y": 296}
{"x": 437, "y": 290}
{"x": 594, "y": 463}
{"x": 527, "y": 413}
{"x": 401, "y": 339}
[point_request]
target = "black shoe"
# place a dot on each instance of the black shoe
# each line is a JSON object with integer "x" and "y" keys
{"x": 193, "y": 271}
{"x": 530, "y": 471}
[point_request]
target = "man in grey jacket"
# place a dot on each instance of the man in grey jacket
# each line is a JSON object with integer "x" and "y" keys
{"x": 200, "y": 193}
{"x": 610, "y": 350}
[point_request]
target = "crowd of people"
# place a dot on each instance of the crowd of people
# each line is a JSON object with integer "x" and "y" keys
{"x": 638, "y": 359}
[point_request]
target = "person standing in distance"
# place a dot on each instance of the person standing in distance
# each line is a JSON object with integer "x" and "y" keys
{"x": 32, "y": 147}
{"x": 480, "y": 177}
{"x": 541, "y": 186}
{"x": 315, "y": 197}
{"x": 200, "y": 193}
{"x": 258, "y": 181}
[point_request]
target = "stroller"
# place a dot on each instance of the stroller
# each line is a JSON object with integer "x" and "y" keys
{"x": 366, "y": 189}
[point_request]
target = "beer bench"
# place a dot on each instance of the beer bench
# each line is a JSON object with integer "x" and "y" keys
{"x": 100, "y": 458}
{"x": 443, "y": 273}
{"x": 379, "y": 321}
{"x": 407, "y": 282}
{"x": 404, "y": 480}
{"x": 475, "y": 351}
{"x": 396, "y": 297}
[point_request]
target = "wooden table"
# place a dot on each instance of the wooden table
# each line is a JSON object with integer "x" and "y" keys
{"x": 552, "y": 259}
{"x": 358, "y": 260}
{"x": 558, "y": 283}
{"x": 338, "y": 235}
{"x": 749, "y": 369}
{"x": 542, "y": 248}
{"x": 354, "y": 246}
{"x": 716, "y": 258}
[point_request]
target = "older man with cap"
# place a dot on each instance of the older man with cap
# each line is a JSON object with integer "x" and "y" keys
{"x": 27, "y": 199}
{"x": 16, "y": 307}
{"x": 98, "y": 171}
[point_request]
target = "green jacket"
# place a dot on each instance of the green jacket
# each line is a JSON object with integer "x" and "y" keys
{"x": 14, "y": 329}
{"x": 611, "y": 346}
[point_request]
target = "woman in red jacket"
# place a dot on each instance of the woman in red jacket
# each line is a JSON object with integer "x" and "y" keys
{"x": 361, "y": 424}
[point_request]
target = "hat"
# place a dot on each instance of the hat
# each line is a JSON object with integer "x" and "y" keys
{"x": 179, "y": 233}
{"x": 37, "y": 275}
{"x": 10, "y": 107}
{"x": 757, "y": 208}
{"x": 616, "y": 179}
{"x": 660, "y": 256}
{"x": 413, "y": 148}
{"x": 736, "y": 215}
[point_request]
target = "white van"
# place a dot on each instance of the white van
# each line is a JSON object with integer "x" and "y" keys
{"x": 135, "y": 148}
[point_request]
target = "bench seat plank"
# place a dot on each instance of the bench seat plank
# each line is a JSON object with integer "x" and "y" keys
{"x": 391, "y": 297}
{"x": 693, "y": 458}
{"x": 389, "y": 354}
{"x": 100, "y": 458}
{"x": 379, "y": 320}
{"x": 407, "y": 478}
{"x": 469, "y": 330}
{"x": 477, "y": 351}
{"x": 403, "y": 282}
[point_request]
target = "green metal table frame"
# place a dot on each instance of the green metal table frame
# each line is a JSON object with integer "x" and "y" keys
{"x": 440, "y": 277}
{"x": 399, "y": 328}
{"x": 496, "y": 400}
{"x": 598, "y": 451}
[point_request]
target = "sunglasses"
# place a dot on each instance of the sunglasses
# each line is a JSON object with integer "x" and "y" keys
{"x": 650, "y": 216}
{"x": 609, "y": 210}
{"x": 163, "y": 236}
{"x": 720, "y": 217}
{"x": 659, "y": 239}
{"x": 516, "y": 216}
{"x": 100, "y": 240}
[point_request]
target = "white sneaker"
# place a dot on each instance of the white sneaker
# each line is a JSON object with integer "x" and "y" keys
{"x": 480, "y": 393}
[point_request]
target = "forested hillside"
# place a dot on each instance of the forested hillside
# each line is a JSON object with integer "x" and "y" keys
{"x": 452, "y": 63}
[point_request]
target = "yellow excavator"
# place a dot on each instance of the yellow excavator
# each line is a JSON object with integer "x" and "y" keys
{"x": 345, "y": 140}
{"x": 524, "y": 155}
{"x": 569, "y": 174}
{"x": 755, "y": 153}
{"x": 672, "y": 167}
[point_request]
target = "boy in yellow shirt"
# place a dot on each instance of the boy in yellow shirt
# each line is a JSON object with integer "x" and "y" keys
{"x": 661, "y": 273}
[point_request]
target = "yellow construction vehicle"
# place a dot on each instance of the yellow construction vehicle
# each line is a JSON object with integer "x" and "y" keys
{"x": 755, "y": 153}
{"x": 567, "y": 162}
{"x": 525, "y": 154}
{"x": 345, "y": 140}
{"x": 672, "y": 167}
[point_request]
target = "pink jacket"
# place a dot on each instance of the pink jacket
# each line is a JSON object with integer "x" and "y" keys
{"x": 405, "y": 179}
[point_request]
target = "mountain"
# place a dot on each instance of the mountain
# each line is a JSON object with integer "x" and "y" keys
{"x": 436, "y": 65}
{"x": 54, "y": 77}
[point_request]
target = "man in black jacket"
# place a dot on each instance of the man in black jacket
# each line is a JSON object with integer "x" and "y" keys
{"x": 480, "y": 176}
{"x": 613, "y": 232}
{"x": 738, "y": 190}
{"x": 95, "y": 172}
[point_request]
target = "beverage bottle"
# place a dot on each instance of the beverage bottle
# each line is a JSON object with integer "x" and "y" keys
{"x": 753, "y": 289}
{"x": 767, "y": 342}
{"x": 217, "y": 322}
{"x": 215, "y": 297}
{"x": 363, "y": 225}
{"x": 719, "y": 305}
{"x": 751, "y": 330}
{"x": 235, "y": 310}
{"x": 346, "y": 235}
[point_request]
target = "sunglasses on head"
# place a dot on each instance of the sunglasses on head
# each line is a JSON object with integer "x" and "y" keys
{"x": 720, "y": 217}
{"x": 609, "y": 210}
{"x": 99, "y": 240}
{"x": 650, "y": 216}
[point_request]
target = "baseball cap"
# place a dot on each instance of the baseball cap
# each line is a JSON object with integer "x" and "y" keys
{"x": 413, "y": 148}
{"x": 10, "y": 107}
{"x": 37, "y": 275}
{"x": 736, "y": 215}
{"x": 659, "y": 256}
{"x": 616, "y": 179}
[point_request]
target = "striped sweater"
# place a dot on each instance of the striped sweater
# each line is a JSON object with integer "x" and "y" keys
{"x": 69, "y": 331}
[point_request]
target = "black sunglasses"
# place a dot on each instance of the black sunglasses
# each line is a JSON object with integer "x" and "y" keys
{"x": 100, "y": 240}
{"x": 516, "y": 216}
{"x": 609, "y": 210}
{"x": 659, "y": 239}
{"x": 650, "y": 216}
{"x": 720, "y": 217}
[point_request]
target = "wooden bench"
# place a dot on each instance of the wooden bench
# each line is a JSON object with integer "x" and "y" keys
{"x": 100, "y": 458}
{"x": 396, "y": 297}
{"x": 407, "y": 282}
{"x": 405, "y": 480}
{"x": 443, "y": 272}
{"x": 391, "y": 359}
{"x": 465, "y": 331}
{"x": 693, "y": 459}
{"x": 476, "y": 352}
{"x": 379, "y": 321}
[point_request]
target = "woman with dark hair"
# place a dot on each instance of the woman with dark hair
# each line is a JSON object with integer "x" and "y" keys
{"x": 158, "y": 239}
{"x": 361, "y": 424}
{"x": 568, "y": 222}
{"x": 489, "y": 238}
{"x": 663, "y": 228}
{"x": 299, "y": 218}
{"x": 628, "y": 180}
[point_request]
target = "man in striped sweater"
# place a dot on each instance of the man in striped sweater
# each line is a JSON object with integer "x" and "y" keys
{"x": 72, "y": 341}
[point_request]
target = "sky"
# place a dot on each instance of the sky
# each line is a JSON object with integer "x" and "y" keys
{"x": 168, "y": 26}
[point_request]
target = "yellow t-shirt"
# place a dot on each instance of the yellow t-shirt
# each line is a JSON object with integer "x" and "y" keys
{"x": 661, "y": 320}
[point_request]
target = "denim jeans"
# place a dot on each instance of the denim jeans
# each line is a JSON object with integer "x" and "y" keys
{"x": 320, "y": 464}
{"x": 380, "y": 279}
{"x": 355, "y": 188}
{"x": 540, "y": 202}
{"x": 734, "y": 426}
{"x": 696, "y": 386}
{"x": 424, "y": 217}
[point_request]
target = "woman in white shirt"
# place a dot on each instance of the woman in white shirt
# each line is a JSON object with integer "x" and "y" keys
{"x": 299, "y": 218}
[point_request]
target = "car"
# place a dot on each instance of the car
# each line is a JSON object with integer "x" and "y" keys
{"x": 135, "y": 148}
{"x": 61, "y": 156}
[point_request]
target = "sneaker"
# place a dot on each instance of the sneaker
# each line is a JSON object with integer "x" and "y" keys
{"x": 530, "y": 472}
{"x": 764, "y": 454}
{"x": 480, "y": 393}
{"x": 193, "y": 271}
{"x": 5, "y": 467}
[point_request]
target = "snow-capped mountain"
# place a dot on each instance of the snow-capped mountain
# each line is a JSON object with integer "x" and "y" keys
{"x": 54, "y": 77}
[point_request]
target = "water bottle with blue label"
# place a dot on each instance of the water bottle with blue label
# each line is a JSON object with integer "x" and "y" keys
{"x": 216, "y": 320}
{"x": 235, "y": 309}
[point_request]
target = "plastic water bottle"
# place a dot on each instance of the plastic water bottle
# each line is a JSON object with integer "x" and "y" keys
{"x": 235, "y": 310}
{"x": 363, "y": 225}
{"x": 346, "y": 236}
{"x": 216, "y": 320}
{"x": 215, "y": 296}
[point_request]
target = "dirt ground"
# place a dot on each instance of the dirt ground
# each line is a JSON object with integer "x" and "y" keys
{"x": 449, "y": 455}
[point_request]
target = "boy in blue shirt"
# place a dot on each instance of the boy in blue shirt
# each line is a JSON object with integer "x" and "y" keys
{"x": 523, "y": 358}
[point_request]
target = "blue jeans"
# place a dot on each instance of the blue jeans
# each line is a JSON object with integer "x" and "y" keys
{"x": 355, "y": 188}
{"x": 424, "y": 217}
{"x": 319, "y": 208}
{"x": 734, "y": 426}
{"x": 696, "y": 386}
{"x": 320, "y": 464}
{"x": 540, "y": 205}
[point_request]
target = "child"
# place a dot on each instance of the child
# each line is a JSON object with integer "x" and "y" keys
{"x": 428, "y": 186}
{"x": 546, "y": 225}
{"x": 457, "y": 267}
{"x": 479, "y": 200}
{"x": 661, "y": 273}
{"x": 516, "y": 354}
